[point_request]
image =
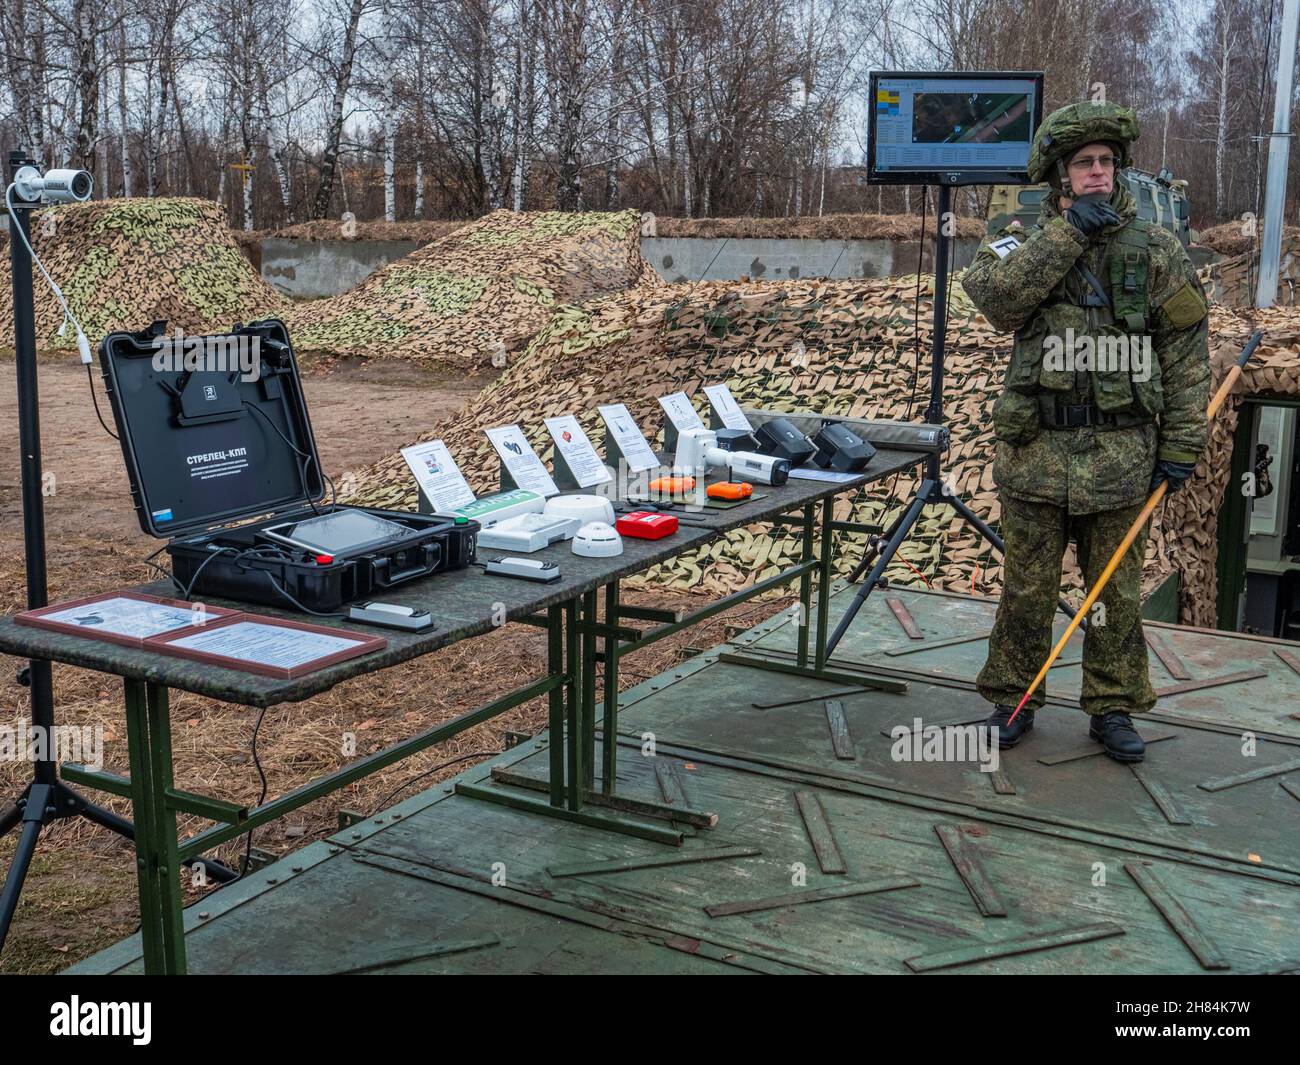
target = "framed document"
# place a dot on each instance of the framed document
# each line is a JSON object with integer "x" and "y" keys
{"x": 271, "y": 647}
{"x": 126, "y": 618}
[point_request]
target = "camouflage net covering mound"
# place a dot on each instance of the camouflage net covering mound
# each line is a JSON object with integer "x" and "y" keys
{"x": 481, "y": 292}
{"x": 125, "y": 263}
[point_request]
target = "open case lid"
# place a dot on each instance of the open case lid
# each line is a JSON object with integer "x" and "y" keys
{"x": 213, "y": 428}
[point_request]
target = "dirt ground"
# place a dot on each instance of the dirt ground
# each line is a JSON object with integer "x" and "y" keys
{"x": 81, "y": 893}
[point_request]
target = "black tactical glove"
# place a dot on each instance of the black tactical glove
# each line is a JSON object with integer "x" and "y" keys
{"x": 1090, "y": 213}
{"x": 1173, "y": 472}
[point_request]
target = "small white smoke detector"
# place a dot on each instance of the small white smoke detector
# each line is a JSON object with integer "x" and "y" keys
{"x": 597, "y": 539}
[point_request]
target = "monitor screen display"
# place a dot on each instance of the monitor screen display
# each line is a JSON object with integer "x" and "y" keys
{"x": 952, "y": 128}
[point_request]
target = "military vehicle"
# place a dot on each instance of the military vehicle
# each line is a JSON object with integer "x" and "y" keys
{"x": 1160, "y": 199}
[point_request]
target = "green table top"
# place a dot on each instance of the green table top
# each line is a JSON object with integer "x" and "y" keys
{"x": 463, "y": 603}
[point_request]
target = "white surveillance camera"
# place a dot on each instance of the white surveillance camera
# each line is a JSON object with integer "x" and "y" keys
{"x": 57, "y": 186}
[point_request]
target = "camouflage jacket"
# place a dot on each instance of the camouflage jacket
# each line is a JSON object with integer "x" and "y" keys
{"x": 1028, "y": 284}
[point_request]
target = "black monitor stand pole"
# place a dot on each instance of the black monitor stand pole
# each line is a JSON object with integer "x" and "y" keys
{"x": 47, "y": 798}
{"x": 932, "y": 490}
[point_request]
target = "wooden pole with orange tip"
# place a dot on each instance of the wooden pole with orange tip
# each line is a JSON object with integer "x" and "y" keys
{"x": 1229, "y": 382}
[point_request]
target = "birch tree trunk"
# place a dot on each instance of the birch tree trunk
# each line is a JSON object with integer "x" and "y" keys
{"x": 87, "y": 79}
{"x": 1221, "y": 125}
{"x": 334, "y": 133}
{"x": 105, "y": 126}
{"x": 274, "y": 147}
{"x": 421, "y": 52}
{"x": 123, "y": 119}
{"x": 388, "y": 52}
{"x": 41, "y": 125}
{"x": 525, "y": 101}
{"x": 613, "y": 137}
{"x": 14, "y": 26}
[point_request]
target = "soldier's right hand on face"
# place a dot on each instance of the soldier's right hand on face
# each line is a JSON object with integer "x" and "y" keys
{"x": 1088, "y": 214}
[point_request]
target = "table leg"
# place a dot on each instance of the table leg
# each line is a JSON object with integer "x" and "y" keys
{"x": 575, "y": 775}
{"x": 162, "y": 823}
{"x": 142, "y": 807}
{"x": 609, "y": 726}
{"x": 824, "y": 580}
{"x": 589, "y": 691}
{"x": 805, "y": 586}
{"x": 555, "y": 700}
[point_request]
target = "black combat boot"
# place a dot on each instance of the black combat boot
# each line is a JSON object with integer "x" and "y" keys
{"x": 1008, "y": 735}
{"x": 1115, "y": 732}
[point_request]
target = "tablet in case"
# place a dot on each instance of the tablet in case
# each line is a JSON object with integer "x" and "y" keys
{"x": 223, "y": 464}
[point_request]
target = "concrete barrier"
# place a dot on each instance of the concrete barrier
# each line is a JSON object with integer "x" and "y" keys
{"x": 306, "y": 269}
{"x": 783, "y": 258}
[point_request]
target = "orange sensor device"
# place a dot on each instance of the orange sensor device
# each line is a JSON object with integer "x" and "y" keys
{"x": 730, "y": 490}
{"x": 672, "y": 485}
{"x": 646, "y": 525}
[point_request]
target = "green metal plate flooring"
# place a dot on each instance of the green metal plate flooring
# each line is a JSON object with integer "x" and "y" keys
{"x": 826, "y": 861}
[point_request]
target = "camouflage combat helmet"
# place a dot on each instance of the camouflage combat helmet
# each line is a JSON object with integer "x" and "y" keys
{"x": 1074, "y": 125}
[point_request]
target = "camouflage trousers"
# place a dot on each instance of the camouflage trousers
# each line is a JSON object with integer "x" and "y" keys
{"x": 1114, "y": 648}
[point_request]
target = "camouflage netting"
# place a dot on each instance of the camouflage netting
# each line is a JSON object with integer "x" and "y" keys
{"x": 481, "y": 292}
{"x": 1233, "y": 281}
{"x": 124, "y": 263}
{"x": 1186, "y": 534}
{"x": 844, "y": 348}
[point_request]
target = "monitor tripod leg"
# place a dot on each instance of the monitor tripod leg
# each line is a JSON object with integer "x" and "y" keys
{"x": 105, "y": 818}
{"x": 11, "y": 816}
{"x": 900, "y": 530}
{"x": 34, "y": 814}
{"x": 869, "y": 556}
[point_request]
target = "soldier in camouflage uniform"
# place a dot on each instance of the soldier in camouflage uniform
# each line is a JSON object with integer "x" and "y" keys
{"x": 1082, "y": 441}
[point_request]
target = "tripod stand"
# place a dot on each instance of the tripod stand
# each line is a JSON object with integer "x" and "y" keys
{"x": 932, "y": 490}
{"x": 47, "y": 798}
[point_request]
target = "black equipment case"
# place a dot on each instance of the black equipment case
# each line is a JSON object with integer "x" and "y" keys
{"x": 215, "y": 432}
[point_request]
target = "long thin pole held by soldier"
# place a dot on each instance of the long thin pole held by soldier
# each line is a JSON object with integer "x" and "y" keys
{"x": 1162, "y": 488}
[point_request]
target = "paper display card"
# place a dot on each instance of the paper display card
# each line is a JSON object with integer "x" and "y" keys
{"x": 680, "y": 412}
{"x": 624, "y": 432}
{"x": 724, "y": 403}
{"x": 268, "y": 646}
{"x": 438, "y": 476}
{"x": 572, "y": 445}
{"x": 125, "y": 618}
{"x": 824, "y": 475}
{"x": 521, "y": 461}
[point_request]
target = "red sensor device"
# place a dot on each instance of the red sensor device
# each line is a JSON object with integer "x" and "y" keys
{"x": 646, "y": 525}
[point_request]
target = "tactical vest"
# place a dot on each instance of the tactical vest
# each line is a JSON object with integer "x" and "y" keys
{"x": 1043, "y": 362}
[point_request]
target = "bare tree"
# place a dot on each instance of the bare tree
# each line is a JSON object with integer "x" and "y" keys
{"x": 342, "y": 65}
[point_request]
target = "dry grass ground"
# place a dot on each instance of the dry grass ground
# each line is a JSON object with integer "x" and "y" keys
{"x": 81, "y": 894}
